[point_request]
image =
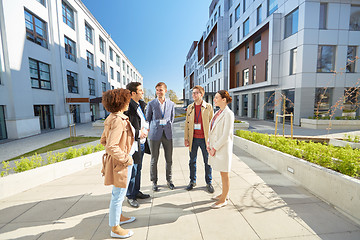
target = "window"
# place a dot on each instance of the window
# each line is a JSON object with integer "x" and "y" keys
{"x": 111, "y": 73}
{"x": 68, "y": 15}
{"x": 3, "y": 133}
{"x": 230, "y": 42}
{"x": 237, "y": 13}
{"x": 323, "y": 16}
{"x": 230, "y": 3}
{"x": 215, "y": 51}
{"x": 244, "y": 5}
{"x": 291, "y": 23}
{"x": 245, "y": 77}
{"x": 90, "y": 60}
{"x": 266, "y": 70}
{"x": 128, "y": 81}
{"x": 237, "y": 79}
{"x": 293, "y": 53}
{"x": 209, "y": 73}
{"x": 272, "y": 6}
{"x": 231, "y": 23}
{"x": 215, "y": 17}
{"x": 254, "y": 74}
{"x": 219, "y": 10}
{"x": 351, "y": 59}
{"x": 92, "y": 87}
{"x": 212, "y": 22}
{"x": 216, "y": 68}
{"x": 322, "y": 101}
{"x": 102, "y": 45}
{"x": 123, "y": 65}
{"x": 117, "y": 76}
{"x": 238, "y": 34}
{"x": 258, "y": 15}
{"x": 88, "y": 33}
{"x": 246, "y": 27}
{"x": 103, "y": 86}
{"x": 70, "y": 49}
{"x": 41, "y": 1}
{"x": 220, "y": 65}
{"x": 102, "y": 67}
{"x": 355, "y": 18}
{"x": 39, "y": 74}
{"x": 124, "y": 80}
{"x": 111, "y": 54}
{"x": 326, "y": 59}
{"x": 127, "y": 69}
{"x": 237, "y": 57}
{"x": 72, "y": 82}
{"x": 257, "y": 45}
{"x": 46, "y": 116}
{"x": 35, "y": 29}
{"x": 118, "y": 60}
{"x": 247, "y": 51}
{"x": 244, "y": 105}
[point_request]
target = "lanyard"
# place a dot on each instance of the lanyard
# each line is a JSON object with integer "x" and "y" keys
{"x": 197, "y": 117}
{"x": 141, "y": 111}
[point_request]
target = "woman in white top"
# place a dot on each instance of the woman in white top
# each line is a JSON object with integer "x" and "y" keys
{"x": 220, "y": 145}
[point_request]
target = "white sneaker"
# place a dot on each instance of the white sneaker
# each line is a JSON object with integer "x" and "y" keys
{"x": 114, "y": 235}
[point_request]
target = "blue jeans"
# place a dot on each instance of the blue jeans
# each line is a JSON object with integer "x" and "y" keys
{"x": 199, "y": 142}
{"x": 117, "y": 198}
{"x": 134, "y": 184}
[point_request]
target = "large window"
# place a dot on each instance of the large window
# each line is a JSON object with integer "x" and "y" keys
{"x": 68, "y": 15}
{"x": 269, "y": 105}
{"x": 246, "y": 27}
{"x": 322, "y": 102}
{"x": 355, "y": 18}
{"x": 111, "y": 73}
{"x": 272, "y": 6}
{"x": 103, "y": 86}
{"x": 237, "y": 13}
{"x": 70, "y": 49}
{"x": 323, "y": 16}
{"x": 111, "y": 54}
{"x": 102, "y": 45}
{"x": 92, "y": 86}
{"x": 72, "y": 82}
{"x": 118, "y": 60}
{"x": 3, "y": 133}
{"x": 326, "y": 59}
{"x": 293, "y": 53}
{"x": 46, "y": 116}
{"x": 257, "y": 45}
{"x": 245, "y": 77}
{"x": 88, "y": 33}
{"x": 245, "y": 101}
{"x": 258, "y": 15}
{"x": 35, "y": 29}
{"x": 90, "y": 60}
{"x": 351, "y": 59}
{"x": 291, "y": 23}
{"x": 102, "y": 67}
{"x": 39, "y": 74}
{"x": 123, "y": 63}
{"x": 220, "y": 65}
{"x": 351, "y": 102}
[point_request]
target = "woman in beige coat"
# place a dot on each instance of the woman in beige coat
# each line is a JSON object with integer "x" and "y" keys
{"x": 118, "y": 138}
{"x": 220, "y": 145}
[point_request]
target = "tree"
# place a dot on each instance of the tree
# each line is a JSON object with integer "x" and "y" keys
{"x": 172, "y": 95}
{"x": 148, "y": 95}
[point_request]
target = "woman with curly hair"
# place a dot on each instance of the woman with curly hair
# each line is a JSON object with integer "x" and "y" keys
{"x": 118, "y": 138}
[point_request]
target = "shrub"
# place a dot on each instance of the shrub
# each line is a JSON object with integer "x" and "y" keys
{"x": 27, "y": 164}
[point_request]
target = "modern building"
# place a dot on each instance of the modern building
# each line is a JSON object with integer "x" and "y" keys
{"x": 303, "y": 51}
{"x": 56, "y": 60}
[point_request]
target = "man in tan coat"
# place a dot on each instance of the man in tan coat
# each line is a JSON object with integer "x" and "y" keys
{"x": 198, "y": 117}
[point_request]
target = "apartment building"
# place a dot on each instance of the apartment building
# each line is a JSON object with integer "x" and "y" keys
{"x": 56, "y": 60}
{"x": 302, "y": 50}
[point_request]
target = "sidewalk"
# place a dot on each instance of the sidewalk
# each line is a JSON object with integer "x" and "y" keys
{"x": 263, "y": 205}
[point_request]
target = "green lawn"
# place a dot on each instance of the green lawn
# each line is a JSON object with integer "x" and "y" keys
{"x": 58, "y": 145}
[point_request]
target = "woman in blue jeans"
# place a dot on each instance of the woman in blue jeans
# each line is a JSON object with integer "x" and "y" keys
{"x": 118, "y": 138}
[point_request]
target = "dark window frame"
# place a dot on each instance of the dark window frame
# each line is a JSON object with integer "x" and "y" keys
{"x": 69, "y": 54}
{"x": 68, "y": 11}
{"x": 72, "y": 82}
{"x": 39, "y": 79}
{"x": 31, "y": 34}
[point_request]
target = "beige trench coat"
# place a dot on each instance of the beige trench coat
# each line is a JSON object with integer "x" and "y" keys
{"x": 117, "y": 139}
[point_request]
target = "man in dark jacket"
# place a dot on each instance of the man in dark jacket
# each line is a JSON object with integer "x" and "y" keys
{"x": 137, "y": 119}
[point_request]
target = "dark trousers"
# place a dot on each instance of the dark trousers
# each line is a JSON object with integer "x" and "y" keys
{"x": 134, "y": 183}
{"x": 199, "y": 142}
{"x": 155, "y": 149}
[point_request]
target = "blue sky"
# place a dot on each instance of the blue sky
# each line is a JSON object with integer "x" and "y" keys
{"x": 155, "y": 35}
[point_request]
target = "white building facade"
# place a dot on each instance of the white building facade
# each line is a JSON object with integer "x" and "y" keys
{"x": 305, "y": 51}
{"x": 56, "y": 61}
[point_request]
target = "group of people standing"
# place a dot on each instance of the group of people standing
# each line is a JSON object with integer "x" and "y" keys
{"x": 133, "y": 129}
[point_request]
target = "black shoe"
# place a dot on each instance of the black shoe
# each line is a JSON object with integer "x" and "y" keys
{"x": 209, "y": 188}
{"x": 133, "y": 202}
{"x": 142, "y": 196}
{"x": 190, "y": 186}
{"x": 170, "y": 185}
{"x": 155, "y": 187}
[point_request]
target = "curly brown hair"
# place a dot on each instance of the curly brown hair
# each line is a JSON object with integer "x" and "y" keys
{"x": 116, "y": 100}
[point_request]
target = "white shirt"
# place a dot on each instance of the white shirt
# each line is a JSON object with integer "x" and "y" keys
{"x": 162, "y": 107}
{"x": 143, "y": 124}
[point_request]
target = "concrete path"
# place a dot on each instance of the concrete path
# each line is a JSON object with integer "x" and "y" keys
{"x": 263, "y": 205}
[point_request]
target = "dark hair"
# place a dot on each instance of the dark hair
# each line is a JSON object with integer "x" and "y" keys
{"x": 161, "y": 84}
{"x": 200, "y": 88}
{"x": 225, "y": 94}
{"x": 116, "y": 99}
{"x": 133, "y": 86}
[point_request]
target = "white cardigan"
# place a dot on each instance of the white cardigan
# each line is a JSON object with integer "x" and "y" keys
{"x": 221, "y": 137}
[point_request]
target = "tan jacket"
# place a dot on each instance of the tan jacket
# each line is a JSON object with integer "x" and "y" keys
{"x": 117, "y": 139}
{"x": 206, "y": 115}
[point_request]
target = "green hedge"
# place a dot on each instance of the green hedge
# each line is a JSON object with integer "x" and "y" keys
{"x": 341, "y": 159}
{"x": 36, "y": 160}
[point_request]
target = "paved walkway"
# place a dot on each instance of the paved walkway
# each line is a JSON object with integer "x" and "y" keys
{"x": 263, "y": 205}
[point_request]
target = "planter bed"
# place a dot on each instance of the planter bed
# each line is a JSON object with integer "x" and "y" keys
{"x": 335, "y": 124}
{"x": 19, "y": 182}
{"x": 335, "y": 188}
{"x": 342, "y": 143}
{"x": 241, "y": 126}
